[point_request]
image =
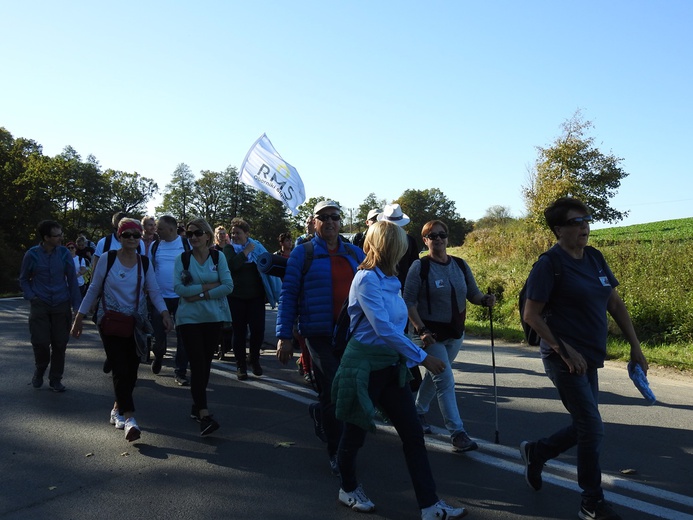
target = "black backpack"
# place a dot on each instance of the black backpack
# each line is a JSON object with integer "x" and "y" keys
{"x": 531, "y": 335}
{"x": 153, "y": 248}
{"x": 185, "y": 257}
{"x": 342, "y": 330}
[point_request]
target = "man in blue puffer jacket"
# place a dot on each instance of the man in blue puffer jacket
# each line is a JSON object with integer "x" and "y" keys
{"x": 316, "y": 298}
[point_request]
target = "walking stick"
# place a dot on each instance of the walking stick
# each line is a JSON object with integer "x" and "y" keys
{"x": 493, "y": 361}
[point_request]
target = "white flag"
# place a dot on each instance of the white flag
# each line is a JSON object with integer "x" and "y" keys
{"x": 264, "y": 169}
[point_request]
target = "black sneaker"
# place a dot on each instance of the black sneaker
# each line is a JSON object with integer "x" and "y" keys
{"x": 461, "y": 442}
{"x": 533, "y": 468}
{"x": 37, "y": 380}
{"x": 315, "y": 412}
{"x": 181, "y": 380}
{"x": 255, "y": 365}
{"x": 156, "y": 364}
{"x": 208, "y": 425}
{"x": 241, "y": 371}
{"x": 599, "y": 510}
{"x": 107, "y": 366}
{"x": 424, "y": 424}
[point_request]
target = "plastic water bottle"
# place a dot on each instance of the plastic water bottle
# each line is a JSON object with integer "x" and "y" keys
{"x": 639, "y": 379}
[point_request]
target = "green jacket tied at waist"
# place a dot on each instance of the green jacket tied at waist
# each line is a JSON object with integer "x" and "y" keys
{"x": 350, "y": 385}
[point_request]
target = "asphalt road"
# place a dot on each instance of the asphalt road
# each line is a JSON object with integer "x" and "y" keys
{"x": 60, "y": 459}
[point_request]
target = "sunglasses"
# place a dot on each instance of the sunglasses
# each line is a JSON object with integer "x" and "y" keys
{"x": 325, "y": 218}
{"x": 70, "y": 247}
{"x": 577, "y": 221}
{"x": 198, "y": 233}
{"x": 128, "y": 234}
{"x": 433, "y": 236}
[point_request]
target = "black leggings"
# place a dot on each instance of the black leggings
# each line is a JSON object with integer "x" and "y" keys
{"x": 122, "y": 354}
{"x": 200, "y": 341}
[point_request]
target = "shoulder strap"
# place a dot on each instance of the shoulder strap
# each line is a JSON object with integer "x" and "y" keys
{"x": 186, "y": 244}
{"x": 308, "y": 257}
{"x": 215, "y": 256}
{"x": 145, "y": 263}
{"x": 350, "y": 251}
{"x": 423, "y": 274}
{"x": 107, "y": 243}
{"x": 152, "y": 252}
{"x": 185, "y": 258}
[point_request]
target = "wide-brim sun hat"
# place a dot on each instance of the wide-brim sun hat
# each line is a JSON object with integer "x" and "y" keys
{"x": 393, "y": 213}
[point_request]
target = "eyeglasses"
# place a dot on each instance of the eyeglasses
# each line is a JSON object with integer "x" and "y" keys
{"x": 57, "y": 236}
{"x": 131, "y": 234}
{"x": 432, "y": 236}
{"x": 197, "y": 233}
{"x": 325, "y": 218}
{"x": 577, "y": 221}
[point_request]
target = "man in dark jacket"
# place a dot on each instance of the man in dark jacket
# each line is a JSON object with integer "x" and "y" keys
{"x": 372, "y": 218}
{"x": 313, "y": 291}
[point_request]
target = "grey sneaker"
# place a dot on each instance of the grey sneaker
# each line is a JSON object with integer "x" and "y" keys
{"x": 462, "y": 442}
{"x": 132, "y": 430}
{"x": 533, "y": 468}
{"x": 181, "y": 380}
{"x": 356, "y": 500}
{"x": 117, "y": 420}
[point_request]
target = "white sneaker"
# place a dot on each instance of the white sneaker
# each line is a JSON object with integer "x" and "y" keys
{"x": 132, "y": 431}
{"x": 356, "y": 500}
{"x": 441, "y": 510}
{"x": 117, "y": 420}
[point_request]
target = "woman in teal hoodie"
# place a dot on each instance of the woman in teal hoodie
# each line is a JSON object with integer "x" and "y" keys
{"x": 373, "y": 372}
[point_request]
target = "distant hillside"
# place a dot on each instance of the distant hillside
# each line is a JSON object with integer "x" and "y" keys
{"x": 678, "y": 230}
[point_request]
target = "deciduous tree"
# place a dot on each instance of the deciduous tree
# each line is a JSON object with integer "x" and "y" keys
{"x": 574, "y": 167}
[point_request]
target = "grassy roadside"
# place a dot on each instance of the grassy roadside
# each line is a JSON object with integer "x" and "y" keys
{"x": 677, "y": 357}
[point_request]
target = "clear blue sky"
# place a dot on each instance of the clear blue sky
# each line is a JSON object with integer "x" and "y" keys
{"x": 361, "y": 96}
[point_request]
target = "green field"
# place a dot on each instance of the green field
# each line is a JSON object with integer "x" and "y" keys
{"x": 651, "y": 261}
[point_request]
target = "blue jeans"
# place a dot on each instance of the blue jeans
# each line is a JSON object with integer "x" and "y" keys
{"x": 325, "y": 365}
{"x": 579, "y": 395}
{"x": 398, "y": 404}
{"x": 442, "y": 386}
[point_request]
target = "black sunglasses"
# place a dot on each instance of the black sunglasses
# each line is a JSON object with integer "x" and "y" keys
{"x": 577, "y": 221}
{"x": 325, "y": 218}
{"x": 128, "y": 234}
{"x": 197, "y": 233}
{"x": 432, "y": 236}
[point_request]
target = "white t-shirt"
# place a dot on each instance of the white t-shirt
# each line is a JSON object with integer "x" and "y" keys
{"x": 79, "y": 262}
{"x": 164, "y": 261}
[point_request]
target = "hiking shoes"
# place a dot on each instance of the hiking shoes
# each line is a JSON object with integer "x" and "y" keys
{"x": 462, "y": 442}
{"x": 132, "y": 430}
{"x": 533, "y": 468}
{"x": 441, "y": 510}
{"x": 181, "y": 380}
{"x": 117, "y": 420}
{"x": 597, "y": 510}
{"x": 255, "y": 365}
{"x": 424, "y": 424}
{"x": 357, "y": 500}
{"x": 57, "y": 386}
{"x": 37, "y": 380}
{"x": 208, "y": 425}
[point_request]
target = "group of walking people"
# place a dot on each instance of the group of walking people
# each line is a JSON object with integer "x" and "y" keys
{"x": 404, "y": 312}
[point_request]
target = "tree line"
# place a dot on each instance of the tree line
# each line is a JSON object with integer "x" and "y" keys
{"x": 83, "y": 196}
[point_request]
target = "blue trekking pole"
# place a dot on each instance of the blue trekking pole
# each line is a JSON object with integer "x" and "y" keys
{"x": 493, "y": 361}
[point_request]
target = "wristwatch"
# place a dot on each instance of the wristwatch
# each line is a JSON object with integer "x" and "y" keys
{"x": 202, "y": 295}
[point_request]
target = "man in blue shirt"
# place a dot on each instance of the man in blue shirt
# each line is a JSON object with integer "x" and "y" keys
{"x": 49, "y": 282}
